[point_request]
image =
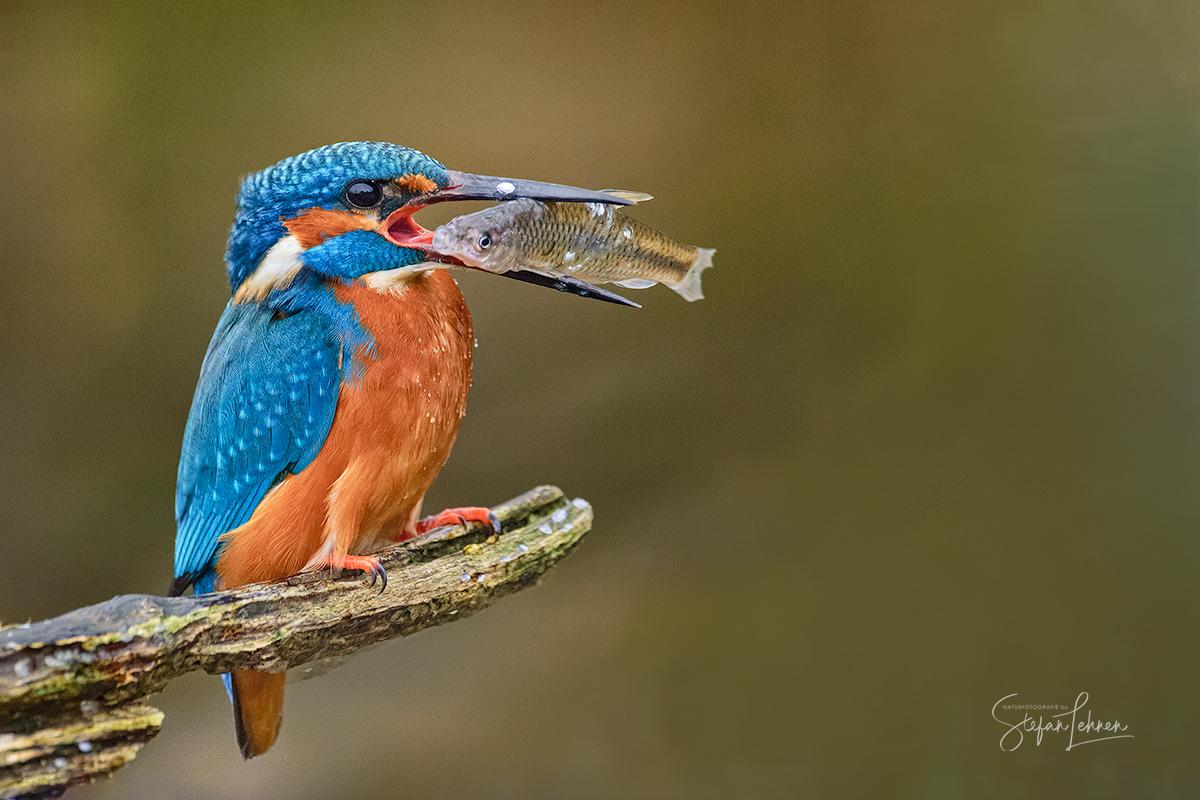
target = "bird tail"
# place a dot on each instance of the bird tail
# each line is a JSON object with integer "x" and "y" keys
{"x": 257, "y": 709}
{"x": 689, "y": 286}
{"x": 257, "y": 697}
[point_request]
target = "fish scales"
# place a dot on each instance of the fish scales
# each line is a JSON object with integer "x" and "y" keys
{"x": 607, "y": 252}
{"x": 588, "y": 241}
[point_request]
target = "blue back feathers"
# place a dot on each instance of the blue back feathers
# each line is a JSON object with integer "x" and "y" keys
{"x": 263, "y": 407}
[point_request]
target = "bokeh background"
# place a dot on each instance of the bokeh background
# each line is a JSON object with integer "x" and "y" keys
{"x": 931, "y": 439}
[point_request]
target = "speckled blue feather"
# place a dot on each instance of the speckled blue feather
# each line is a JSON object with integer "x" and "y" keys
{"x": 263, "y": 407}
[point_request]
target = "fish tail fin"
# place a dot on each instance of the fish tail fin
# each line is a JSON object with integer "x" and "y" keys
{"x": 257, "y": 709}
{"x": 689, "y": 287}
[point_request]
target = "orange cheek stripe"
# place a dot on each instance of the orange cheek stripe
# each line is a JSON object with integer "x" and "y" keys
{"x": 314, "y": 226}
{"x": 416, "y": 184}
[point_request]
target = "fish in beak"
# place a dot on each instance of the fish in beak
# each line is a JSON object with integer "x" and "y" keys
{"x": 401, "y": 229}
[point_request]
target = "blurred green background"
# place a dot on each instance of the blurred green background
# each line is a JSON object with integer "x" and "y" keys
{"x": 931, "y": 439}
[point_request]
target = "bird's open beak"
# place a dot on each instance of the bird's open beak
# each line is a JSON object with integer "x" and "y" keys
{"x": 401, "y": 229}
{"x": 465, "y": 186}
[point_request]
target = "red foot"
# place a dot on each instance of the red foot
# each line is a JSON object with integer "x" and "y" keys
{"x": 460, "y": 516}
{"x": 368, "y": 564}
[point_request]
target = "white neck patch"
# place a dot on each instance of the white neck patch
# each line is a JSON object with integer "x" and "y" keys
{"x": 276, "y": 271}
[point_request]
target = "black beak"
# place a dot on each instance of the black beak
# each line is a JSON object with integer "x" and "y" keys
{"x": 466, "y": 186}
{"x": 570, "y": 285}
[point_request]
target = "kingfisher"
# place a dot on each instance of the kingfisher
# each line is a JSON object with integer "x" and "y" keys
{"x": 334, "y": 385}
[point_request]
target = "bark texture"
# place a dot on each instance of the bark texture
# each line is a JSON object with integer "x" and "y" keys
{"x": 71, "y": 687}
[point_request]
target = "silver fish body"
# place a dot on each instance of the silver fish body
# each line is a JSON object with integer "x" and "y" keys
{"x": 592, "y": 242}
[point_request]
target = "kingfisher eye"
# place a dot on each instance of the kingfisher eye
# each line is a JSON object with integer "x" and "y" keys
{"x": 485, "y": 241}
{"x": 363, "y": 194}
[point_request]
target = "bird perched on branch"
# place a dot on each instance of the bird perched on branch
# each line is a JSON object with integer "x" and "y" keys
{"x": 335, "y": 382}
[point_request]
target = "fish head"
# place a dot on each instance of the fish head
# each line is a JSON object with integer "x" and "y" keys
{"x": 481, "y": 240}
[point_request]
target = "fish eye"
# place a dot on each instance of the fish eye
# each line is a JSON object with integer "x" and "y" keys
{"x": 363, "y": 194}
{"x": 484, "y": 241}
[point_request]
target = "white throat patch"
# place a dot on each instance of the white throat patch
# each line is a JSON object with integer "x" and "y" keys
{"x": 396, "y": 280}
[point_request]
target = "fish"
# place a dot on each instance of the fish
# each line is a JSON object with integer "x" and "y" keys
{"x": 591, "y": 242}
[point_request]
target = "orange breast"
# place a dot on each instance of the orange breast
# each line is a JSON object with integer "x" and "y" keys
{"x": 391, "y": 434}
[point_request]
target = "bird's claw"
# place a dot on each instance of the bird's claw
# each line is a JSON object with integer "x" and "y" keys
{"x": 369, "y": 565}
{"x": 377, "y": 571}
{"x": 460, "y": 516}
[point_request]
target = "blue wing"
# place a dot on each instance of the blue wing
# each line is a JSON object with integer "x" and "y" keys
{"x": 263, "y": 407}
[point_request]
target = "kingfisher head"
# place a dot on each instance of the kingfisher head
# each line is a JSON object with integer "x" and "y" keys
{"x": 344, "y": 212}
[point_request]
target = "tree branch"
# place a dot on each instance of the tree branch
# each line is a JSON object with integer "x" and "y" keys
{"x": 70, "y": 686}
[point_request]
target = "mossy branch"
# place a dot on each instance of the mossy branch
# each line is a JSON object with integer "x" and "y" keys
{"x": 70, "y": 687}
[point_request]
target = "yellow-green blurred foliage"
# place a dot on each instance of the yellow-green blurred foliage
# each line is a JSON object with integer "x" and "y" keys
{"x": 931, "y": 439}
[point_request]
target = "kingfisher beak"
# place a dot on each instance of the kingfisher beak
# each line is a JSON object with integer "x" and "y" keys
{"x": 401, "y": 229}
{"x": 466, "y": 186}
{"x": 569, "y": 285}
